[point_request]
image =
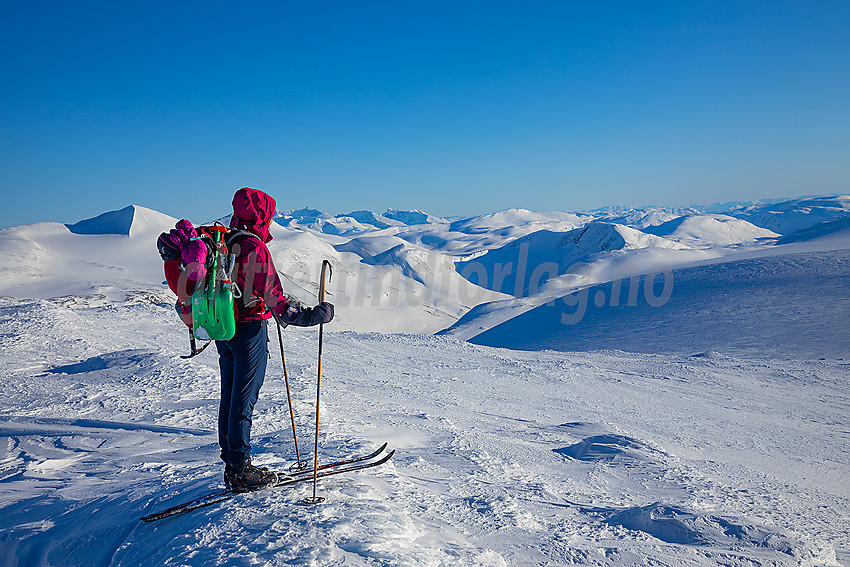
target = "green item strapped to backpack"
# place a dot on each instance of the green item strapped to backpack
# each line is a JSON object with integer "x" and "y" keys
{"x": 213, "y": 314}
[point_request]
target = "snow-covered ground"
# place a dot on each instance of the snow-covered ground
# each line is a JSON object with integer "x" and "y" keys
{"x": 711, "y": 430}
{"x": 503, "y": 457}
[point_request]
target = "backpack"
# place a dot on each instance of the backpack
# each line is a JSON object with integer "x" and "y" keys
{"x": 198, "y": 269}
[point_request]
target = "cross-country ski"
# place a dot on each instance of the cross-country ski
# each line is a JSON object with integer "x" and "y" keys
{"x": 283, "y": 480}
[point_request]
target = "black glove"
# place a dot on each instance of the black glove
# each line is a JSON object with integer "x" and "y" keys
{"x": 306, "y": 316}
{"x": 323, "y": 313}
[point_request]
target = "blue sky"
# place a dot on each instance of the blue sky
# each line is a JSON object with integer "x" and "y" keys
{"x": 456, "y": 108}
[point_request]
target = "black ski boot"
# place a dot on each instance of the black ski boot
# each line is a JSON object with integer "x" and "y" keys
{"x": 248, "y": 478}
{"x": 229, "y": 475}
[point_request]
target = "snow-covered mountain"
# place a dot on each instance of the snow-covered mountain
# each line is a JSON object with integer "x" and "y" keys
{"x": 523, "y": 266}
{"x": 642, "y": 218}
{"x": 705, "y": 231}
{"x": 413, "y": 217}
{"x": 379, "y": 282}
{"x": 726, "y": 206}
{"x": 111, "y": 257}
{"x": 520, "y": 219}
{"x": 786, "y": 217}
{"x": 354, "y": 223}
{"x": 370, "y": 218}
{"x": 696, "y": 238}
{"x": 313, "y": 219}
{"x": 114, "y": 222}
{"x": 396, "y": 269}
{"x": 822, "y": 231}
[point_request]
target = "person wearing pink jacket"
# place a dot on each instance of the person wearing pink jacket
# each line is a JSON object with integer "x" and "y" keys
{"x": 242, "y": 359}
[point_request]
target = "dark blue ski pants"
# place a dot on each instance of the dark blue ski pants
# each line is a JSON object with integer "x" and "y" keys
{"x": 242, "y": 361}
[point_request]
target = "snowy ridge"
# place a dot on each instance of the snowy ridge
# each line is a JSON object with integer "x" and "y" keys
{"x": 786, "y": 217}
{"x": 788, "y": 306}
{"x": 826, "y": 230}
{"x": 523, "y": 267}
{"x": 696, "y": 239}
{"x": 519, "y": 218}
{"x": 642, "y": 218}
{"x": 413, "y": 217}
{"x": 114, "y": 222}
{"x": 370, "y": 218}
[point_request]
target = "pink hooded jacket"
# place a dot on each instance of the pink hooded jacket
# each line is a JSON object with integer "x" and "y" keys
{"x": 256, "y": 275}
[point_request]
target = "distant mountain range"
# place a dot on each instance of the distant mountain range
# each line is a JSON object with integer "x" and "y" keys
{"x": 782, "y": 216}
{"x": 408, "y": 271}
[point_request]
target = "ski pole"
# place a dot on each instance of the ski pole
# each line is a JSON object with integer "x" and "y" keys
{"x": 299, "y": 465}
{"x": 318, "y": 499}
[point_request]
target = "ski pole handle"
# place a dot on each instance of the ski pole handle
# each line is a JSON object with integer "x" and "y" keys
{"x": 326, "y": 265}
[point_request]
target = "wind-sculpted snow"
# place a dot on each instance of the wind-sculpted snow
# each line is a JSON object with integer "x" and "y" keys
{"x": 503, "y": 457}
{"x": 603, "y": 448}
{"x": 675, "y": 524}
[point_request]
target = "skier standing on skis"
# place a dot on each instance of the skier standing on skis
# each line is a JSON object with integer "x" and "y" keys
{"x": 243, "y": 358}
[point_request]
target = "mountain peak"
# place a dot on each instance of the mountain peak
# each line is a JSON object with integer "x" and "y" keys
{"x": 366, "y": 217}
{"x": 126, "y": 221}
{"x": 308, "y": 214}
{"x": 112, "y": 222}
{"x": 411, "y": 217}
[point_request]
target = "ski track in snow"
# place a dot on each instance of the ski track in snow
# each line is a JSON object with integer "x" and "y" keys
{"x": 503, "y": 457}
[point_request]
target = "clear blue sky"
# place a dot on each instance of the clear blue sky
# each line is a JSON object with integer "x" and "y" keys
{"x": 456, "y": 108}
